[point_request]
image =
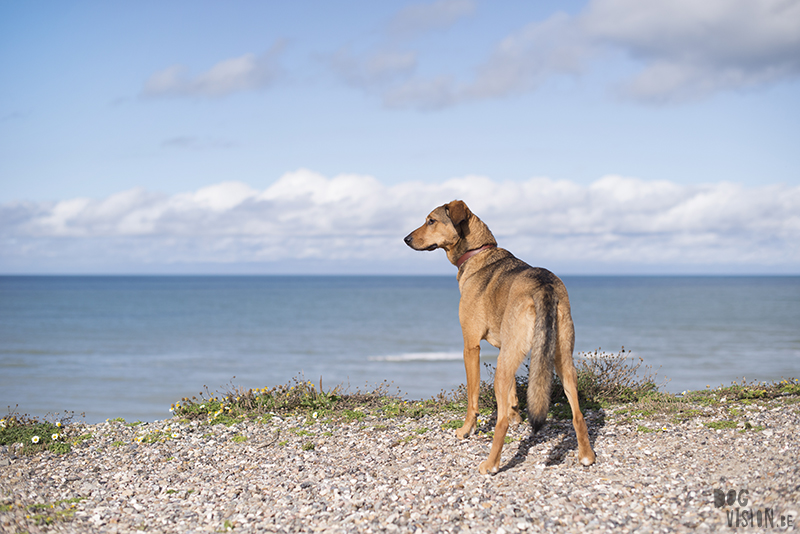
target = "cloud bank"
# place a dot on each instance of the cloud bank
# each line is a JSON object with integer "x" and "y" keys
{"x": 305, "y": 216}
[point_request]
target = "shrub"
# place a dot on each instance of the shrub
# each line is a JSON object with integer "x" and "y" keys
{"x": 602, "y": 379}
{"x": 611, "y": 378}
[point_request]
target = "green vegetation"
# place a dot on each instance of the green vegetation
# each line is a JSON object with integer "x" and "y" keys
{"x": 603, "y": 380}
{"x": 48, "y": 513}
{"x": 301, "y": 397}
{"x": 453, "y": 424}
{"x": 156, "y": 436}
{"x": 35, "y": 435}
{"x": 749, "y": 426}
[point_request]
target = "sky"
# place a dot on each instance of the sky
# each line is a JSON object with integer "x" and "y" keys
{"x": 593, "y": 137}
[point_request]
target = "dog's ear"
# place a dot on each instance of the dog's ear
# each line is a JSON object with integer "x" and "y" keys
{"x": 457, "y": 211}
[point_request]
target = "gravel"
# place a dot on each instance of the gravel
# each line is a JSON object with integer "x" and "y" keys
{"x": 380, "y": 474}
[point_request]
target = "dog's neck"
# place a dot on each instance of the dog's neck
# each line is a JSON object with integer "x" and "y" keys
{"x": 473, "y": 237}
{"x": 467, "y": 255}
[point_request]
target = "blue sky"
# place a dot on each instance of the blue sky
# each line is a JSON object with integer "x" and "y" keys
{"x": 612, "y": 136}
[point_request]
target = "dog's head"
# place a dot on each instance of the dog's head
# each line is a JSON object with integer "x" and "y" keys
{"x": 443, "y": 228}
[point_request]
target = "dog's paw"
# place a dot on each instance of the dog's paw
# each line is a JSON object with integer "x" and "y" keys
{"x": 588, "y": 458}
{"x": 465, "y": 431}
{"x": 486, "y": 469}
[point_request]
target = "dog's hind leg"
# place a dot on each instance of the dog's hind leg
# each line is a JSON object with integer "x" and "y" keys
{"x": 472, "y": 364}
{"x": 569, "y": 379}
{"x": 514, "y": 417}
{"x": 565, "y": 368}
{"x": 504, "y": 382}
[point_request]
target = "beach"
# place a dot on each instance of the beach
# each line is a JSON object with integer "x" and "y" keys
{"x": 399, "y": 474}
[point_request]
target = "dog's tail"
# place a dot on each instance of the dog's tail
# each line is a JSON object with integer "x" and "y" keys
{"x": 543, "y": 352}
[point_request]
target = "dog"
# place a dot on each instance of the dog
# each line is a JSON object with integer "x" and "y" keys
{"x": 517, "y": 308}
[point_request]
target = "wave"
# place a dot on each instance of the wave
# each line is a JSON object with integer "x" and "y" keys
{"x": 418, "y": 356}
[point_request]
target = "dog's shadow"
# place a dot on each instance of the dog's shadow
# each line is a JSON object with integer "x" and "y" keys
{"x": 559, "y": 451}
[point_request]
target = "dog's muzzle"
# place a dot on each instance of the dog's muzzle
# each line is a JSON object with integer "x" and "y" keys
{"x": 409, "y": 241}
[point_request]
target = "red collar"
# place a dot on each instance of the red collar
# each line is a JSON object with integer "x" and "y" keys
{"x": 467, "y": 255}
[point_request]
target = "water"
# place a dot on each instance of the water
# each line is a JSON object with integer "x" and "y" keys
{"x": 130, "y": 346}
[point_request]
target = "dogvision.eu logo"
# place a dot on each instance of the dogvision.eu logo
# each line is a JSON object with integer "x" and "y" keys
{"x": 740, "y": 515}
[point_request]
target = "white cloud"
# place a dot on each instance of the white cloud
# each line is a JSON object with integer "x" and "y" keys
{"x": 524, "y": 60}
{"x": 389, "y": 71}
{"x": 304, "y": 215}
{"x": 244, "y": 73}
{"x": 692, "y": 49}
{"x": 520, "y": 63}
{"x": 685, "y": 50}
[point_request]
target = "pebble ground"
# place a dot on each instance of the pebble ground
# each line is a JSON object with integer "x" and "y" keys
{"x": 379, "y": 474}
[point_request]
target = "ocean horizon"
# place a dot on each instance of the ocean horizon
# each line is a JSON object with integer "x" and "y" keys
{"x": 130, "y": 346}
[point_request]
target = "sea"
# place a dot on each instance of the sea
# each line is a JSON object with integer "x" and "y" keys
{"x": 130, "y": 346}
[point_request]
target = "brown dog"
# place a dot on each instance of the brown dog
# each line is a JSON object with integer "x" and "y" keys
{"x": 519, "y": 309}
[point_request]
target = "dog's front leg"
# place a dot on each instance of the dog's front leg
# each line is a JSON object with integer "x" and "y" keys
{"x": 472, "y": 363}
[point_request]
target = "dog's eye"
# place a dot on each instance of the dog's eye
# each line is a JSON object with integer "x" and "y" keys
{"x": 431, "y": 221}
